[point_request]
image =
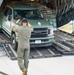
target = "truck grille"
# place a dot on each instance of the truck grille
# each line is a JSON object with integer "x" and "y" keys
{"x": 39, "y": 32}
{"x": 42, "y": 40}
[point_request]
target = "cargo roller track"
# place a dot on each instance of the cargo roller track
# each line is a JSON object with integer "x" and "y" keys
{"x": 63, "y": 45}
{"x": 64, "y": 42}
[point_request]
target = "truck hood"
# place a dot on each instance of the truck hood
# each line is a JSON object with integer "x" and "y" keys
{"x": 39, "y": 23}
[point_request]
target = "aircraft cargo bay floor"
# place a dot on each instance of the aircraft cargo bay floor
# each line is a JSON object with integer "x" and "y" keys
{"x": 40, "y": 63}
{"x": 63, "y": 45}
{"x": 48, "y": 66}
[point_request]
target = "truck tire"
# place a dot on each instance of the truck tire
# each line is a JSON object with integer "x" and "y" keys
{"x": 14, "y": 42}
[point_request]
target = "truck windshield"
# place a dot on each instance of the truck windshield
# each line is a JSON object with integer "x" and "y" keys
{"x": 29, "y": 14}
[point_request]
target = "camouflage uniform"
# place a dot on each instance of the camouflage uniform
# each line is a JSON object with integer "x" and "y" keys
{"x": 24, "y": 33}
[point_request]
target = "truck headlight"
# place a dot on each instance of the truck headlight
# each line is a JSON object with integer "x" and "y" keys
{"x": 50, "y": 31}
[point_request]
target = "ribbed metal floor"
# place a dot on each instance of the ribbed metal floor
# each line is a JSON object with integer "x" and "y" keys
{"x": 63, "y": 45}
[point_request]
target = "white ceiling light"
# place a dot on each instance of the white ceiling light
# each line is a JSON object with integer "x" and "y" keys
{"x": 32, "y": 0}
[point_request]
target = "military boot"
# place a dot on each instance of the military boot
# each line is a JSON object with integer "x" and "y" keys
{"x": 24, "y": 72}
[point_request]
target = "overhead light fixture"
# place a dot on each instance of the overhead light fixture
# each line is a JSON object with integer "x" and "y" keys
{"x": 32, "y": 0}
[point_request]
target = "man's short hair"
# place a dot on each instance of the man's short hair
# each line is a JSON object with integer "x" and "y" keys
{"x": 24, "y": 20}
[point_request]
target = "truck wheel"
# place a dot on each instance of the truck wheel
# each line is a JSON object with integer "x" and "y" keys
{"x": 13, "y": 41}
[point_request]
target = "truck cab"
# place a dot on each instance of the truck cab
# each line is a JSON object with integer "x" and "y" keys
{"x": 43, "y": 32}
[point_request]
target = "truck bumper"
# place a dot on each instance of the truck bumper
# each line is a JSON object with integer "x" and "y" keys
{"x": 41, "y": 45}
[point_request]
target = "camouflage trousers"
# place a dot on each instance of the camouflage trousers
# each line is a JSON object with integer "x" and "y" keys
{"x": 23, "y": 57}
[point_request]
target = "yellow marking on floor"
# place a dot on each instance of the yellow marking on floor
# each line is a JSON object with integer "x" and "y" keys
{"x": 1, "y": 74}
{"x": 66, "y": 28}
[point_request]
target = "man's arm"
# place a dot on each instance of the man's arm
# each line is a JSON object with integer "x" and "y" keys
{"x": 30, "y": 26}
{"x": 16, "y": 22}
{"x": 15, "y": 27}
